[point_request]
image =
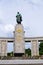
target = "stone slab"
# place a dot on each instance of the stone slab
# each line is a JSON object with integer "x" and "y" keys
{"x": 22, "y": 62}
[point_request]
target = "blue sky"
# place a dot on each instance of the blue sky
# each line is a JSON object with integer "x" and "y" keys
{"x": 32, "y": 15}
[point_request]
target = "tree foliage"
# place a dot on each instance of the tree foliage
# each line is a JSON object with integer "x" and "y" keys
{"x": 28, "y": 51}
{"x": 10, "y": 54}
{"x": 41, "y": 48}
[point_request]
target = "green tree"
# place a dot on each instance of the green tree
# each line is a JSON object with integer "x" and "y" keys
{"x": 10, "y": 53}
{"x": 28, "y": 51}
{"x": 41, "y": 48}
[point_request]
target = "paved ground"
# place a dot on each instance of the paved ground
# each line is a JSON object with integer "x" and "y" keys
{"x": 21, "y": 62}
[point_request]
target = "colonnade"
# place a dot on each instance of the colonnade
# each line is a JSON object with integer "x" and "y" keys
{"x": 34, "y": 48}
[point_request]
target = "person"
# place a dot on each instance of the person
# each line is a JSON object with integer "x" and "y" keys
{"x": 18, "y": 18}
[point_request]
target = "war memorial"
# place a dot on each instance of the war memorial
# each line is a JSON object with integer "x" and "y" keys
{"x": 19, "y": 40}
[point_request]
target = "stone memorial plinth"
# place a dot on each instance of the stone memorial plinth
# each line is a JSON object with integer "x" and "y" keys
{"x": 19, "y": 44}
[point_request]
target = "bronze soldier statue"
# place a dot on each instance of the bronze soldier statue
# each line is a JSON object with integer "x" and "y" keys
{"x": 18, "y": 18}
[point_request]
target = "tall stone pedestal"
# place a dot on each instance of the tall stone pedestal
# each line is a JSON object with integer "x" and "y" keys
{"x": 19, "y": 44}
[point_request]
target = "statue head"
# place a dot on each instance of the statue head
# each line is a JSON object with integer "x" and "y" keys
{"x": 17, "y": 12}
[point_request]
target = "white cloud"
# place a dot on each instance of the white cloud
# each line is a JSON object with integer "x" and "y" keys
{"x": 35, "y": 3}
{"x": 9, "y": 27}
{"x": 6, "y": 30}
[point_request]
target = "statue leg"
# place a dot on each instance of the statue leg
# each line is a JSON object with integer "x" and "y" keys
{"x": 19, "y": 22}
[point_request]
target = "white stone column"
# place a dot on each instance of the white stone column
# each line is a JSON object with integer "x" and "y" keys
{"x": 34, "y": 48}
{"x": 3, "y": 48}
{"x": 0, "y": 47}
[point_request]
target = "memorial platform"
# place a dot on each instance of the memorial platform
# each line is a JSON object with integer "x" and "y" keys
{"x": 22, "y": 62}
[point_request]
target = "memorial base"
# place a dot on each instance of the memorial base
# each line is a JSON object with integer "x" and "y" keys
{"x": 18, "y": 54}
